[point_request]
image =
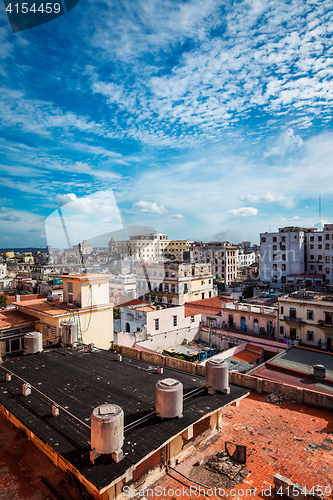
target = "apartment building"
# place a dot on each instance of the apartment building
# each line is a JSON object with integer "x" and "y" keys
{"x": 174, "y": 282}
{"x": 222, "y": 256}
{"x": 308, "y": 318}
{"x": 245, "y": 258}
{"x": 289, "y": 252}
{"x": 327, "y": 243}
{"x": 150, "y": 247}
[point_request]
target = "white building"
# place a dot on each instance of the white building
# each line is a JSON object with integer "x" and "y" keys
{"x": 328, "y": 251}
{"x": 155, "y": 327}
{"x": 245, "y": 258}
{"x": 283, "y": 254}
{"x": 125, "y": 284}
{"x": 150, "y": 247}
{"x": 3, "y": 270}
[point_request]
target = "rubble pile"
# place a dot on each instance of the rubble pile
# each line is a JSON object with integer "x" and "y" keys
{"x": 231, "y": 471}
{"x": 277, "y": 398}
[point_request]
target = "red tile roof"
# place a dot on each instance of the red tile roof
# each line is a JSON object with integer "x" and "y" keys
{"x": 134, "y": 302}
{"x": 12, "y": 317}
{"x": 289, "y": 439}
{"x": 210, "y": 306}
{"x": 51, "y": 309}
{"x": 247, "y": 356}
{"x": 83, "y": 277}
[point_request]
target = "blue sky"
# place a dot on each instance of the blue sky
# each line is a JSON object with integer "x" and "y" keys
{"x": 208, "y": 119}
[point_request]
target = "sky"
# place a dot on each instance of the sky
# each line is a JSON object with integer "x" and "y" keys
{"x": 203, "y": 119}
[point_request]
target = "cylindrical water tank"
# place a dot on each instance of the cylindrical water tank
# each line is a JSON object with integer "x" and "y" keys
{"x": 217, "y": 374}
{"x": 107, "y": 429}
{"x": 169, "y": 398}
{"x": 69, "y": 332}
{"x": 319, "y": 371}
{"x": 33, "y": 342}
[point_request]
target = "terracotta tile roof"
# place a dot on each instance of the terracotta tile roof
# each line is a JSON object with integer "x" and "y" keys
{"x": 246, "y": 356}
{"x": 10, "y": 318}
{"x": 51, "y": 309}
{"x": 83, "y": 277}
{"x": 134, "y": 302}
{"x": 289, "y": 439}
{"x": 210, "y": 306}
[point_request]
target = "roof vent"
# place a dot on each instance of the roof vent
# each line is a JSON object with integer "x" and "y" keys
{"x": 217, "y": 376}
{"x": 107, "y": 432}
{"x": 319, "y": 371}
{"x": 169, "y": 398}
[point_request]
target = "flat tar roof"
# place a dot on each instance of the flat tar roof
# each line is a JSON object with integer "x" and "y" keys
{"x": 81, "y": 381}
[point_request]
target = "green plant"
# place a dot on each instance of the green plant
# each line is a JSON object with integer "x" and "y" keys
{"x": 3, "y": 302}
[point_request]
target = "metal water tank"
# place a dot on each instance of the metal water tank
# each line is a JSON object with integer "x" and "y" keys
{"x": 169, "y": 398}
{"x": 319, "y": 371}
{"x": 69, "y": 332}
{"x": 217, "y": 375}
{"x": 107, "y": 429}
{"x": 33, "y": 342}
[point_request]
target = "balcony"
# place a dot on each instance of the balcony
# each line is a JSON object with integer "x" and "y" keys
{"x": 293, "y": 320}
{"x": 324, "y": 325}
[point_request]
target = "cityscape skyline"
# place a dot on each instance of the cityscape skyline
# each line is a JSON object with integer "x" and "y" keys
{"x": 207, "y": 120}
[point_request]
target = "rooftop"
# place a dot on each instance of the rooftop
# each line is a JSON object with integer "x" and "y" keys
{"x": 84, "y": 277}
{"x": 13, "y": 318}
{"x": 211, "y": 306}
{"x": 289, "y": 439}
{"x": 80, "y": 381}
{"x": 295, "y": 367}
{"x": 56, "y": 308}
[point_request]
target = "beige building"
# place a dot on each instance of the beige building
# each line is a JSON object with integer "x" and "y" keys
{"x": 222, "y": 257}
{"x": 150, "y": 247}
{"x": 85, "y": 302}
{"x": 174, "y": 282}
{"x": 307, "y": 317}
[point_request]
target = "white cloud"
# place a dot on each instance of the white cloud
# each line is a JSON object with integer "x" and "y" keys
{"x": 149, "y": 207}
{"x": 178, "y": 216}
{"x": 268, "y": 197}
{"x": 244, "y": 211}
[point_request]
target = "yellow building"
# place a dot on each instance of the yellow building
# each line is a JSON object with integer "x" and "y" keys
{"x": 85, "y": 305}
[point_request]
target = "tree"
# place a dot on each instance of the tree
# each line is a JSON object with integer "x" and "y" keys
{"x": 116, "y": 270}
{"x": 3, "y": 302}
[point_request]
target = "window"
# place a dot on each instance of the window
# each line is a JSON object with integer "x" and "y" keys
{"x": 274, "y": 256}
{"x": 202, "y": 282}
{"x": 209, "y": 281}
{"x": 281, "y": 330}
{"x": 202, "y": 296}
{"x": 274, "y": 247}
{"x": 157, "y": 324}
{"x": 327, "y": 236}
{"x": 320, "y": 238}
{"x": 292, "y": 313}
{"x": 70, "y": 299}
{"x": 320, "y": 247}
{"x": 311, "y": 247}
{"x": 192, "y": 319}
{"x": 209, "y": 294}
{"x": 263, "y": 240}
{"x": 274, "y": 279}
{"x": 274, "y": 267}
{"x": 283, "y": 267}
{"x": 309, "y": 314}
{"x": 309, "y": 336}
{"x": 283, "y": 256}
{"x": 174, "y": 319}
{"x": 283, "y": 238}
{"x": 327, "y": 259}
{"x": 311, "y": 238}
{"x": 282, "y": 309}
{"x": 327, "y": 271}
{"x": 320, "y": 268}
{"x": 312, "y": 257}
{"x": 312, "y": 267}
{"x": 274, "y": 238}
{"x": 283, "y": 247}
{"x": 283, "y": 279}
{"x": 327, "y": 246}
{"x": 320, "y": 257}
